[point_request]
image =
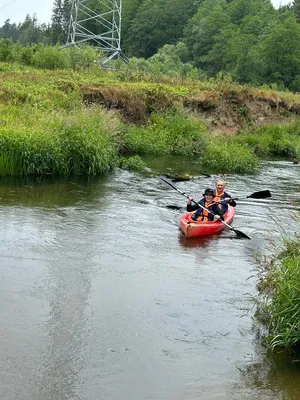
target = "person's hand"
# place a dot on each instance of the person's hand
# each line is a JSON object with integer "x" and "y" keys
{"x": 227, "y": 199}
{"x": 194, "y": 217}
{"x": 217, "y": 217}
{"x": 190, "y": 199}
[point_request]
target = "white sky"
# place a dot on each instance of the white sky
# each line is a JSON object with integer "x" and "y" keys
{"x": 16, "y": 10}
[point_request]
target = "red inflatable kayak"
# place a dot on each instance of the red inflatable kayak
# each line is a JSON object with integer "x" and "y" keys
{"x": 192, "y": 228}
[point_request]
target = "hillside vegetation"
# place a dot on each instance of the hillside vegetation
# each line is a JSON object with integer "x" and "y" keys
{"x": 249, "y": 41}
{"x": 65, "y": 121}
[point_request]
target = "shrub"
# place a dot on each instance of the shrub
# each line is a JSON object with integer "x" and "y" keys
{"x": 167, "y": 133}
{"x": 134, "y": 163}
{"x": 229, "y": 157}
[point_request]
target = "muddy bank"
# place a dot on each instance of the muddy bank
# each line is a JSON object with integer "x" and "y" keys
{"x": 224, "y": 111}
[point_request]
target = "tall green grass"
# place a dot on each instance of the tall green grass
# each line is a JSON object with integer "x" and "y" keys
{"x": 281, "y": 286}
{"x": 167, "y": 133}
{"x": 274, "y": 140}
{"x": 83, "y": 142}
{"x": 45, "y": 119}
{"x": 223, "y": 156}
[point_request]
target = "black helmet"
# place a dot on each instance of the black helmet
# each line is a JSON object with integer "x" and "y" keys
{"x": 209, "y": 191}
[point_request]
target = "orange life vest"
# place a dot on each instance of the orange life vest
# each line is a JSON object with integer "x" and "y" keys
{"x": 218, "y": 197}
{"x": 204, "y": 214}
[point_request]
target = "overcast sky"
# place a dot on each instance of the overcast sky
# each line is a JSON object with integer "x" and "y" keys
{"x": 16, "y": 10}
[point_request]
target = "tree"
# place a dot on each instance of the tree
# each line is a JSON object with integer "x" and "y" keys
{"x": 130, "y": 9}
{"x": 30, "y": 31}
{"x": 9, "y": 30}
{"x": 158, "y": 22}
{"x": 201, "y": 31}
{"x": 239, "y": 9}
{"x": 60, "y": 20}
{"x": 281, "y": 53}
{"x": 57, "y": 22}
{"x": 296, "y": 9}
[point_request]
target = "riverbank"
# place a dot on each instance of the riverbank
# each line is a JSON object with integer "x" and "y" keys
{"x": 279, "y": 304}
{"x": 65, "y": 122}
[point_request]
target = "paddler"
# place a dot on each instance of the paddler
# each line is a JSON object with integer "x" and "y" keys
{"x": 212, "y": 212}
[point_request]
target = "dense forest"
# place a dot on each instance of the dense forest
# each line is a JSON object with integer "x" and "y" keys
{"x": 248, "y": 41}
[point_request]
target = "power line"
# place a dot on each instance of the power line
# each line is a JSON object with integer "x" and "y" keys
{"x": 8, "y": 4}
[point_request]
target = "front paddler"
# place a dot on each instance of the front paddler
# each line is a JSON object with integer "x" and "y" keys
{"x": 212, "y": 212}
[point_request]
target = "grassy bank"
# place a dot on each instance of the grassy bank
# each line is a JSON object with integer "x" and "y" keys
{"x": 65, "y": 122}
{"x": 280, "y": 288}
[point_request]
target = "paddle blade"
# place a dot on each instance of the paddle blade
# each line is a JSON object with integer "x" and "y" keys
{"x": 263, "y": 194}
{"x": 172, "y": 207}
{"x": 240, "y": 234}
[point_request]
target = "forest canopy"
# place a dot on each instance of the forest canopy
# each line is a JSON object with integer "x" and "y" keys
{"x": 248, "y": 41}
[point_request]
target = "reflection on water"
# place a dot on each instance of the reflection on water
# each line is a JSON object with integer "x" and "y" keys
{"x": 49, "y": 191}
{"x": 101, "y": 297}
{"x": 275, "y": 374}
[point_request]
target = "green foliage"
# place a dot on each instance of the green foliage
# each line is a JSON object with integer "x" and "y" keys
{"x": 280, "y": 284}
{"x": 49, "y": 57}
{"x": 47, "y": 120}
{"x": 169, "y": 133}
{"x": 200, "y": 32}
{"x": 281, "y": 52}
{"x": 7, "y": 50}
{"x": 133, "y": 163}
{"x": 296, "y": 9}
{"x": 274, "y": 140}
{"x": 157, "y": 23}
{"x": 222, "y": 156}
{"x": 248, "y": 40}
{"x": 60, "y": 144}
{"x": 82, "y": 58}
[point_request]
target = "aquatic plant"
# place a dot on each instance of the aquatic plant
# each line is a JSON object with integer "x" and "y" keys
{"x": 134, "y": 163}
{"x": 61, "y": 144}
{"x": 279, "y": 286}
{"x": 223, "y": 156}
{"x": 273, "y": 140}
{"x": 167, "y": 133}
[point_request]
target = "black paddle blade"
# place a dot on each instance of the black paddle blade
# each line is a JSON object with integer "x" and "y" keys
{"x": 171, "y": 207}
{"x": 263, "y": 194}
{"x": 240, "y": 234}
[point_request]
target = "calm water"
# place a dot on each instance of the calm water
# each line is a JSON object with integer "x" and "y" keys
{"x": 102, "y": 299}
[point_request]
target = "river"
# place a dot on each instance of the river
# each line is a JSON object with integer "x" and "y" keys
{"x": 102, "y": 299}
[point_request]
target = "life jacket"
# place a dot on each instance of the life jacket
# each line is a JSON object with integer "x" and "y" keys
{"x": 218, "y": 198}
{"x": 205, "y": 215}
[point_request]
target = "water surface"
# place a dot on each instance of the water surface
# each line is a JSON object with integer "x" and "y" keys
{"x": 102, "y": 298}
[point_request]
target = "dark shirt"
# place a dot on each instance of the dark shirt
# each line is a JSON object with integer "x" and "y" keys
{"x": 224, "y": 204}
{"x": 213, "y": 208}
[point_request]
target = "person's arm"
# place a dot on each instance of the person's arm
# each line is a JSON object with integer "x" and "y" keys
{"x": 218, "y": 212}
{"x": 191, "y": 206}
{"x": 232, "y": 203}
{"x": 229, "y": 200}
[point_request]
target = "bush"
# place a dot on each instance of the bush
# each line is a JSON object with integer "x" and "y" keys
{"x": 281, "y": 288}
{"x": 229, "y": 157}
{"x": 134, "y": 163}
{"x": 49, "y": 57}
{"x": 167, "y": 133}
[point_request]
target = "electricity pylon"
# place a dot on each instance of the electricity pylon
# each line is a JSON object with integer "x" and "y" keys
{"x": 102, "y": 29}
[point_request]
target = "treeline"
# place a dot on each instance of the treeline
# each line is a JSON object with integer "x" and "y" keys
{"x": 248, "y": 41}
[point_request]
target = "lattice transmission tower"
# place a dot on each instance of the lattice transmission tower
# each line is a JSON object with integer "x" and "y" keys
{"x": 100, "y": 28}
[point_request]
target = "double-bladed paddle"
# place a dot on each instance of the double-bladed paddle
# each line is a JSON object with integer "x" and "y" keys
{"x": 239, "y": 234}
{"x": 263, "y": 194}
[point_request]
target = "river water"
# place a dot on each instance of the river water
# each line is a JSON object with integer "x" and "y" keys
{"x": 102, "y": 299}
